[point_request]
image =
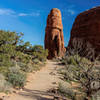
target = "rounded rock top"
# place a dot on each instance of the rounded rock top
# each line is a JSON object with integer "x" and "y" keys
{"x": 56, "y": 10}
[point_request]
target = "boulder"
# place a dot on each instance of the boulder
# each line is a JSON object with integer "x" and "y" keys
{"x": 87, "y": 28}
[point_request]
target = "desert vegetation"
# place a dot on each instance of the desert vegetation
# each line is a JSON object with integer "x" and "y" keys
{"x": 81, "y": 75}
{"x": 17, "y": 58}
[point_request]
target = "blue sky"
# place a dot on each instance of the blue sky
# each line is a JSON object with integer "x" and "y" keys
{"x": 29, "y": 16}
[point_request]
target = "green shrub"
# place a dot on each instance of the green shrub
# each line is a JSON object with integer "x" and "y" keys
{"x": 72, "y": 61}
{"x": 40, "y": 53}
{"x": 65, "y": 91}
{"x": 84, "y": 72}
{"x": 17, "y": 79}
{"x": 14, "y": 69}
{"x": 24, "y": 58}
{"x": 25, "y": 67}
{"x": 63, "y": 61}
{"x": 4, "y": 85}
{"x": 36, "y": 61}
{"x": 18, "y": 57}
{"x": 36, "y": 67}
{"x": 5, "y": 62}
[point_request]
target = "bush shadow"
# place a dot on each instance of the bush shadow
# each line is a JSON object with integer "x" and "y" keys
{"x": 36, "y": 94}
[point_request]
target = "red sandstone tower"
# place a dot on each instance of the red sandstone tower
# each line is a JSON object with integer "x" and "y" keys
{"x": 54, "y": 40}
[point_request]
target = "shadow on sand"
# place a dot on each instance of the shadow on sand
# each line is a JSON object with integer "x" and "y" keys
{"x": 36, "y": 94}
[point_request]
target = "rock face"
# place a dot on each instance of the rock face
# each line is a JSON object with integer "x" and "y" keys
{"x": 87, "y": 27}
{"x": 54, "y": 40}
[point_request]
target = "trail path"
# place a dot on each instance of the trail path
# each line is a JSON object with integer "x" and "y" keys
{"x": 39, "y": 83}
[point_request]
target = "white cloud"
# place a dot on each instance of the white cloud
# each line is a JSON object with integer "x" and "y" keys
{"x": 71, "y": 11}
{"x": 10, "y": 12}
{"x": 6, "y": 11}
{"x": 22, "y": 14}
{"x": 35, "y": 14}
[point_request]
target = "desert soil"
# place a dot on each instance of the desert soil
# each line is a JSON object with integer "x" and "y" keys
{"x": 38, "y": 84}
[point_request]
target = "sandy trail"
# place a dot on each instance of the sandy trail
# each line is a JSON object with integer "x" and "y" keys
{"x": 39, "y": 83}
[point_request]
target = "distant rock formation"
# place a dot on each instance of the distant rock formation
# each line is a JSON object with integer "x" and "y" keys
{"x": 54, "y": 40}
{"x": 87, "y": 27}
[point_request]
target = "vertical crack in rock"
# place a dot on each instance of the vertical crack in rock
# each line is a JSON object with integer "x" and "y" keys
{"x": 54, "y": 40}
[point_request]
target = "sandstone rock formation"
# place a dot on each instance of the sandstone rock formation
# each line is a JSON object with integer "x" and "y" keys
{"x": 54, "y": 40}
{"x": 87, "y": 27}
